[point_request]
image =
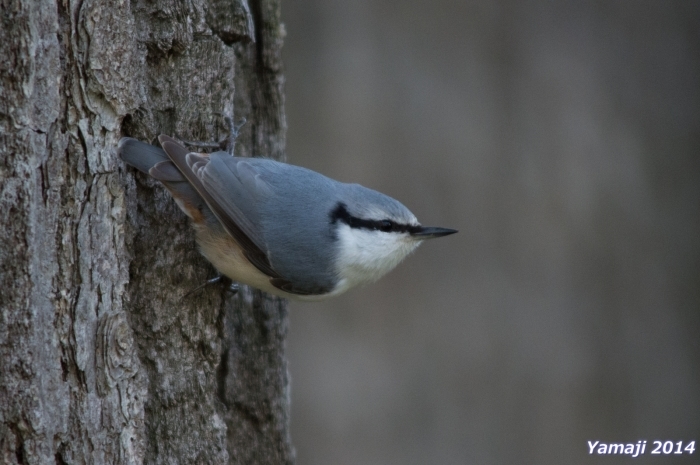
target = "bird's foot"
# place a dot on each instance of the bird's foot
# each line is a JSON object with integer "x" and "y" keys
{"x": 231, "y": 287}
{"x": 227, "y": 143}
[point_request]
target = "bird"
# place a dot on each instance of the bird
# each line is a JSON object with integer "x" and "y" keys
{"x": 281, "y": 228}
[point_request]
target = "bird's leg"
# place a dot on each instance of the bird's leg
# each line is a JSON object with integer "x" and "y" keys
{"x": 233, "y": 131}
{"x": 226, "y": 281}
{"x": 226, "y": 143}
{"x": 233, "y": 288}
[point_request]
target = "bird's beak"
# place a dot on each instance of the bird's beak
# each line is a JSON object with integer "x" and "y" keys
{"x": 422, "y": 233}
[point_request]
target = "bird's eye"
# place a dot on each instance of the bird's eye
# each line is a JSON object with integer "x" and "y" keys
{"x": 385, "y": 225}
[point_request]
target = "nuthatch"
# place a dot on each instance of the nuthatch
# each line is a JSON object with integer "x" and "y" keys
{"x": 281, "y": 228}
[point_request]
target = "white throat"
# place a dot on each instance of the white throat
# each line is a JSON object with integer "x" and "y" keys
{"x": 366, "y": 255}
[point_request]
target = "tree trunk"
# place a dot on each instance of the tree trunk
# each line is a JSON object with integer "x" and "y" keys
{"x": 102, "y": 357}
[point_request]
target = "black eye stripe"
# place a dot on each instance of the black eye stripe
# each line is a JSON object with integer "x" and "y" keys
{"x": 340, "y": 213}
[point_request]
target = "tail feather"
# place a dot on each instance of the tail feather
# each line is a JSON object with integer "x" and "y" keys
{"x": 154, "y": 161}
{"x": 140, "y": 155}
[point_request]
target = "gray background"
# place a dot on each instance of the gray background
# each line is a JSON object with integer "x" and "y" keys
{"x": 563, "y": 140}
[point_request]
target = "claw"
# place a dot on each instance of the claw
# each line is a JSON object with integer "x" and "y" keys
{"x": 233, "y": 131}
{"x": 227, "y": 143}
{"x": 231, "y": 288}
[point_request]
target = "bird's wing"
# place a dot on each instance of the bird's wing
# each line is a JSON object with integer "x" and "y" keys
{"x": 239, "y": 187}
{"x": 219, "y": 185}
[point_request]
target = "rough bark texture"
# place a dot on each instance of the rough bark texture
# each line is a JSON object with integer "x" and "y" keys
{"x": 102, "y": 360}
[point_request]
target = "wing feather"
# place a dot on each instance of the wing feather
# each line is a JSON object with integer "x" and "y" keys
{"x": 250, "y": 244}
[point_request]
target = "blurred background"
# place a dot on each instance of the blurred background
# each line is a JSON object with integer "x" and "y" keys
{"x": 562, "y": 139}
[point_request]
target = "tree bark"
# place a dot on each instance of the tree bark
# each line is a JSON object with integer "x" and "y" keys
{"x": 102, "y": 357}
